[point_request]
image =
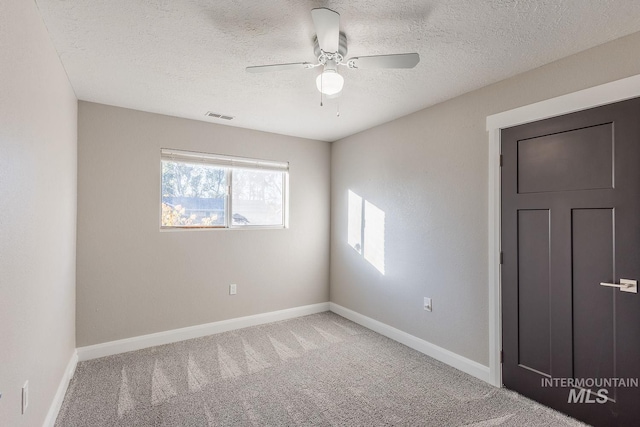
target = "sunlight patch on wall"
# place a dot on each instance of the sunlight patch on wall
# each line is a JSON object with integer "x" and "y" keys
{"x": 365, "y": 230}
{"x": 354, "y": 227}
{"x": 374, "y": 236}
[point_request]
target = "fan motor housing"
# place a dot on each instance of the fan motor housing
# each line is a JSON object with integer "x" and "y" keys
{"x": 342, "y": 48}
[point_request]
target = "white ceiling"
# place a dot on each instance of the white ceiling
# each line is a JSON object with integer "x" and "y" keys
{"x": 186, "y": 57}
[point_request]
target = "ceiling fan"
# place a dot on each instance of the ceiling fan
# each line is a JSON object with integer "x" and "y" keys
{"x": 330, "y": 47}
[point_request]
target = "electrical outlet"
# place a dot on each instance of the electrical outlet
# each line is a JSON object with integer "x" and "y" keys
{"x": 427, "y": 304}
{"x": 25, "y": 396}
{"x": 232, "y": 289}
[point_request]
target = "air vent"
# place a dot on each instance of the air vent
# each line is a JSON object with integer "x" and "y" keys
{"x": 218, "y": 116}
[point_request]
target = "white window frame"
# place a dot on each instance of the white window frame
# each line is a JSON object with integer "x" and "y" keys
{"x": 229, "y": 163}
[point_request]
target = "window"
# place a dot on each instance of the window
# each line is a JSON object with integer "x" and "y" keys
{"x": 214, "y": 191}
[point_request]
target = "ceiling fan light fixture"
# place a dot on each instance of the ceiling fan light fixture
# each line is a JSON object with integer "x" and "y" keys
{"x": 330, "y": 48}
{"x": 330, "y": 82}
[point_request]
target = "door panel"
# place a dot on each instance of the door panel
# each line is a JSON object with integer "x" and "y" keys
{"x": 570, "y": 220}
{"x": 580, "y": 159}
{"x": 593, "y": 306}
{"x": 533, "y": 291}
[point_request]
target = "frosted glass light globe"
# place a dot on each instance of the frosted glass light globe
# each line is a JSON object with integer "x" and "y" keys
{"x": 330, "y": 82}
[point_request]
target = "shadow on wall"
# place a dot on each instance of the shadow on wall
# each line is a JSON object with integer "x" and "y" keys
{"x": 365, "y": 230}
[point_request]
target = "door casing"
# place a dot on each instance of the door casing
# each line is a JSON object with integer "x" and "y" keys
{"x": 596, "y": 96}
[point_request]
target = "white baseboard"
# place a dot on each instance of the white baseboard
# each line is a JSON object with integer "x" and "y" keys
{"x": 175, "y": 335}
{"x": 450, "y": 358}
{"x": 50, "y": 420}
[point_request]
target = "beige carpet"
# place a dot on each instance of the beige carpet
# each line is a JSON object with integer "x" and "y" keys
{"x": 319, "y": 370}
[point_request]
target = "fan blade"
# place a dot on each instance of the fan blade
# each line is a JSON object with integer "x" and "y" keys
{"x": 402, "y": 60}
{"x": 279, "y": 67}
{"x": 327, "y": 23}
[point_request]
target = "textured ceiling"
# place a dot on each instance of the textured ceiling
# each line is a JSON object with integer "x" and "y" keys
{"x": 186, "y": 57}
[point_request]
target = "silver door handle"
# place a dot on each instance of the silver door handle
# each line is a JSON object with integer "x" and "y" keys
{"x": 625, "y": 285}
{"x": 613, "y": 285}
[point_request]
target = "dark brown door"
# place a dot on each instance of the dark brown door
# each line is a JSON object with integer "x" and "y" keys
{"x": 571, "y": 220}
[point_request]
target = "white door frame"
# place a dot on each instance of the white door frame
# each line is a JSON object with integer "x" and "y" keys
{"x": 608, "y": 93}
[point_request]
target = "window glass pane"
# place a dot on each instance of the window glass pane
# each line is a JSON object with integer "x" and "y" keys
{"x": 193, "y": 195}
{"x": 257, "y": 197}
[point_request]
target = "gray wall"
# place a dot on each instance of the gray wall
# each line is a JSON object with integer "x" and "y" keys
{"x": 428, "y": 172}
{"x": 38, "y": 125}
{"x": 134, "y": 279}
